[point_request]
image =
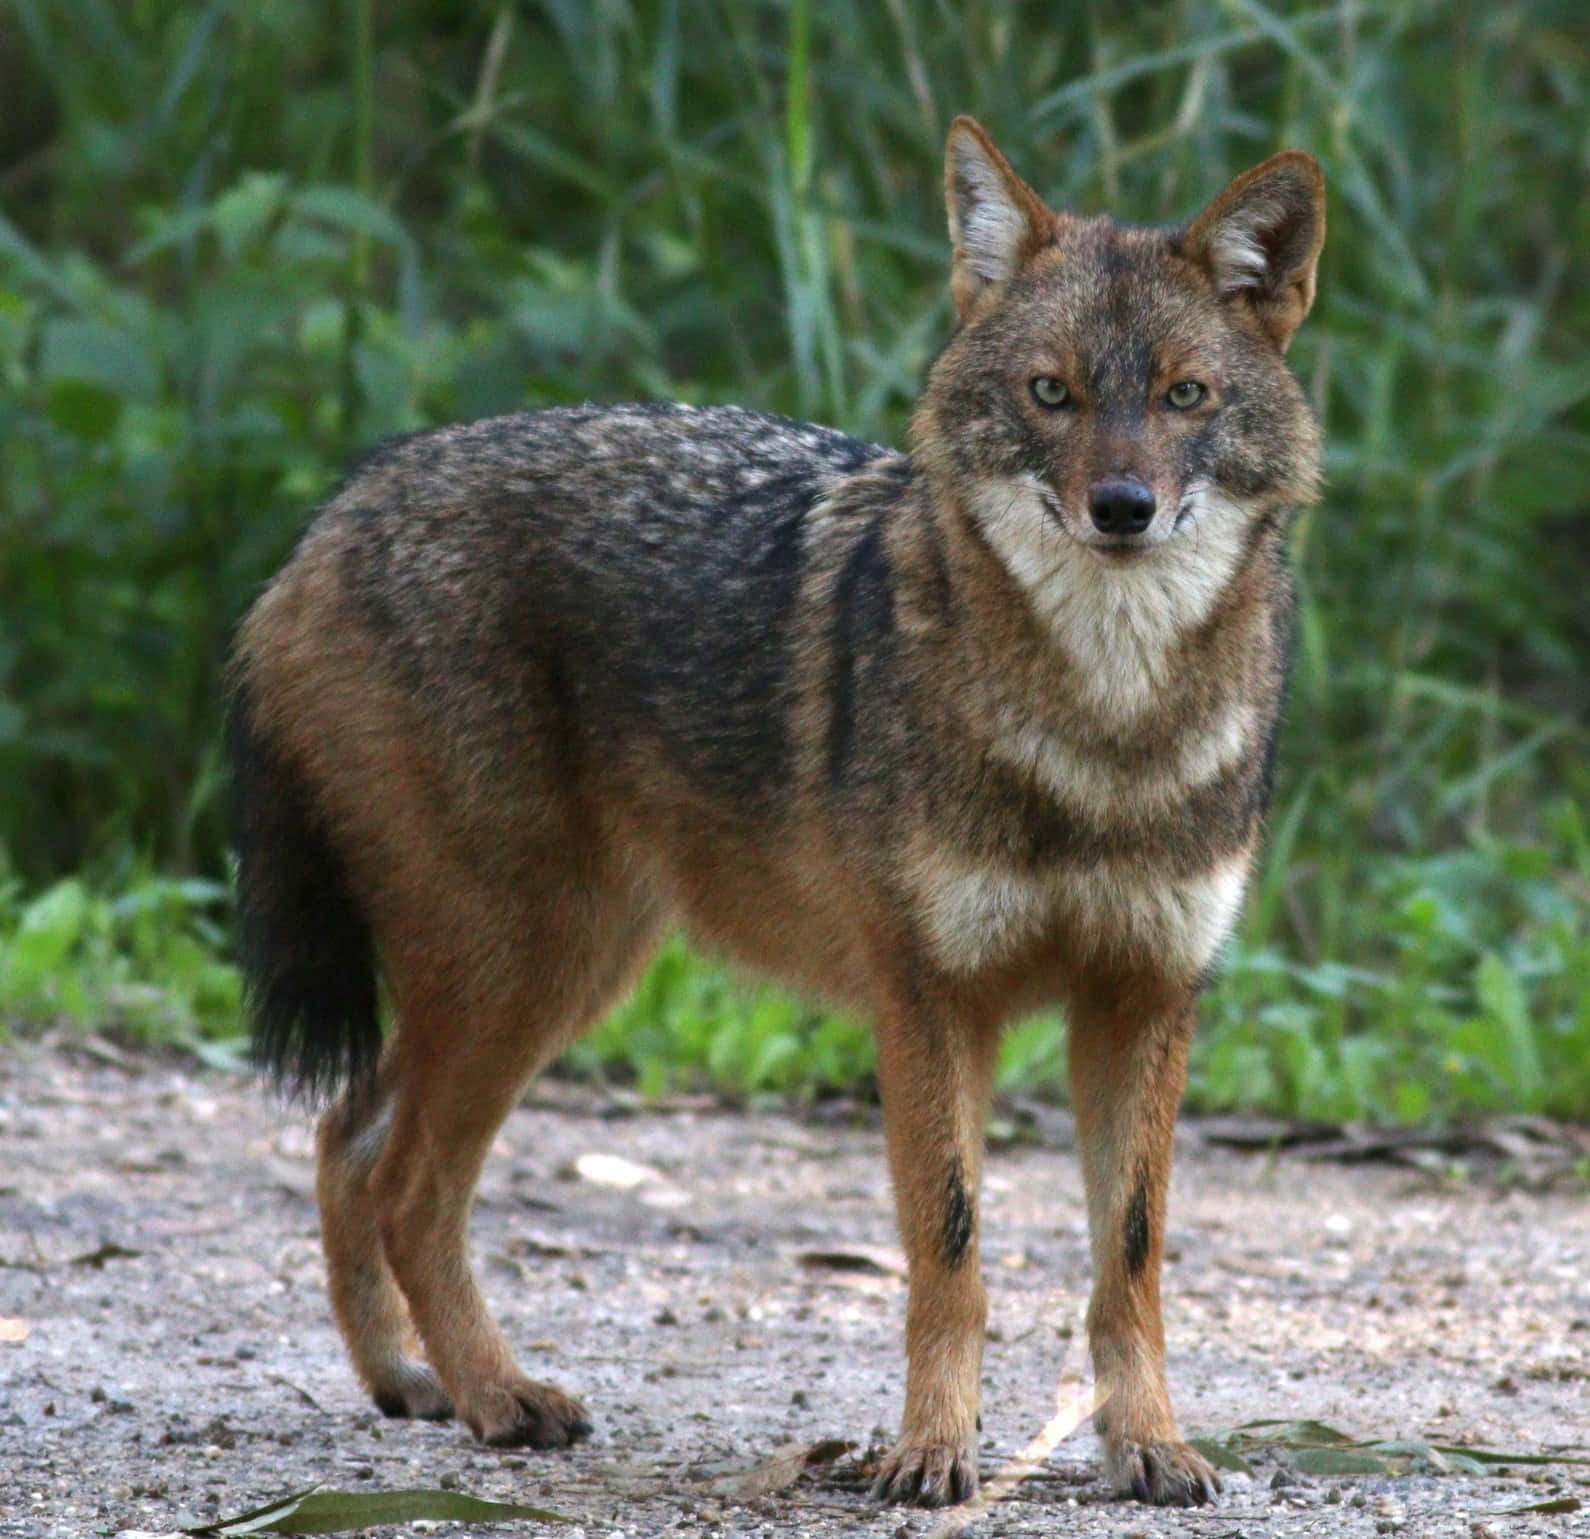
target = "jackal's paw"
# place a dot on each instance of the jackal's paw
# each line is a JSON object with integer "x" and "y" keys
{"x": 525, "y": 1414}
{"x": 927, "y": 1475}
{"x": 412, "y": 1389}
{"x": 1166, "y": 1474}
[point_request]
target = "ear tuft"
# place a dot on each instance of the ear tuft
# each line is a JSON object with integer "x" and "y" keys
{"x": 1261, "y": 239}
{"x": 997, "y": 222}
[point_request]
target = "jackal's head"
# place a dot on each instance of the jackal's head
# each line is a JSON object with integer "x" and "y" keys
{"x": 1115, "y": 399}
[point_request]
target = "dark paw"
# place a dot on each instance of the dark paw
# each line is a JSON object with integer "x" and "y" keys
{"x": 526, "y": 1414}
{"x": 927, "y": 1475}
{"x": 414, "y": 1390}
{"x": 1164, "y": 1474}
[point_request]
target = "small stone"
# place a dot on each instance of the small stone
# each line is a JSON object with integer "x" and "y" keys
{"x": 449, "y": 1481}
{"x": 612, "y": 1170}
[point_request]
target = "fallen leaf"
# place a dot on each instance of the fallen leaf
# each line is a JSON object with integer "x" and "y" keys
{"x": 1416, "y": 1449}
{"x": 109, "y": 1251}
{"x": 335, "y": 1512}
{"x": 1558, "y": 1504}
{"x": 13, "y": 1329}
{"x": 783, "y": 1468}
{"x": 1294, "y": 1434}
{"x": 1220, "y": 1455}
{"x": 1498, "y": 1456}
{"x": 1337, "y": 1461}
{"x": 873, "y": 1263}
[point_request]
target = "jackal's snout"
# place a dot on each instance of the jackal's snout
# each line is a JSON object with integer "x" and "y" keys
{"x": 1121, "y": 505}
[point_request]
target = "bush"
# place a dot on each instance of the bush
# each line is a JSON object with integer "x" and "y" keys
{"x": 240, "y": 244}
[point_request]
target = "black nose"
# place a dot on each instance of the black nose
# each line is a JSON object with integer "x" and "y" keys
{"x": 1120, "y": 505}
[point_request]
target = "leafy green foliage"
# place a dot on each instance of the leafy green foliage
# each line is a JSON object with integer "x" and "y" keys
{"x": 691, "y": 1018}
{"x": 1473, "y": 992}
{"x": 149, "y": 961}
{"x": 240, "y": 244}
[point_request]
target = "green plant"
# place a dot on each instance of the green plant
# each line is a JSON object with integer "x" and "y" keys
{"x": 148, "y": 961}
{"x": 690, "y": 1019}
{"x": 239, "y": 244}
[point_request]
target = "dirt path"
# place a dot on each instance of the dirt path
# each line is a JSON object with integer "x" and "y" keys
{"x": 157, "y": 1239}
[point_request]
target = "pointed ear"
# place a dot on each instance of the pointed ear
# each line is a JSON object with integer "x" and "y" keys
{"x": 997, "y": 222}
{"x": 1261, "y": 238}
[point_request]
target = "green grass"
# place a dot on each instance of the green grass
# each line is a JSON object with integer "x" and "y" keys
{"x": 150, "y": 962}
{"x": 241, "y": 243}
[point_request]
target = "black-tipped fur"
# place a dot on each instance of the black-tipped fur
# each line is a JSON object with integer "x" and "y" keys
{"x": 960, "y": 1219}
{"x": 1137, "y": 1234}
{"x": 305, "y": 947}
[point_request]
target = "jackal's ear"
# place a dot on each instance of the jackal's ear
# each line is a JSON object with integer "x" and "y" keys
{"x": 997, "y": 222}
{"x": 1261, "y": 239}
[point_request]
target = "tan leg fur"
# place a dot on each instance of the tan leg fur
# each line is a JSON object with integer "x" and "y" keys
{"x": 1128, "y": 1049}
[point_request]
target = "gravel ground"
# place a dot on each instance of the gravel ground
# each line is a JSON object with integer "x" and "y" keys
{"x": 177, "y": 1361}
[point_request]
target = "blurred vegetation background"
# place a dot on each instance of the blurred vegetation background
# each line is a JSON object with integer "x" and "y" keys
{"x": 243, "y": 240}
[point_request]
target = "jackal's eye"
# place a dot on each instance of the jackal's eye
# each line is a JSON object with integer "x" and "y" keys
{"x": 1049, "y": 391}
{"x": 1185, "y": 394}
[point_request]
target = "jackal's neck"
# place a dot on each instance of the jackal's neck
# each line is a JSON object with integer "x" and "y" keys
{"x": 1112, "y": 649}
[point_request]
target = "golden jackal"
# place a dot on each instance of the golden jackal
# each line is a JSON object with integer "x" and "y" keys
{"x": 947, "y": 735}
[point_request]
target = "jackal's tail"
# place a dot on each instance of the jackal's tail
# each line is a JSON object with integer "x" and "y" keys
{"x": 305, "y": 946}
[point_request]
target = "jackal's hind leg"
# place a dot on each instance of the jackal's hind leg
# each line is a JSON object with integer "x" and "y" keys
{"x": 496, "y": 997}
{"x": 446, "y": 1112}
{"x": 365, "y": 1295}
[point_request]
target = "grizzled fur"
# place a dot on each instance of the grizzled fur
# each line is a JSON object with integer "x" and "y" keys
{"x": 946, "y": 735}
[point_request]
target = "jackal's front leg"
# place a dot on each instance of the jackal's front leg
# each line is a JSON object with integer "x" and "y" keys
{"x": 934, "y": 1076}
{"x": 1128, "y": 1047}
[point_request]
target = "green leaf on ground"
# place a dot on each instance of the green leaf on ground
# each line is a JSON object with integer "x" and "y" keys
{"x": 1318, "y": 1449}
{"x": 1338, "y": 1461}
{"x": 1557, "y": 1504}
{"x": 1220, "y": 1454}
{"x": 1294, "y": 1434}
{"x": 1496, "y": 1456}
{"x": 335, "y": 1512}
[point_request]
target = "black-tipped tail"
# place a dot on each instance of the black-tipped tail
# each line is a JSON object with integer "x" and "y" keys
{"x": 305, "y": 947}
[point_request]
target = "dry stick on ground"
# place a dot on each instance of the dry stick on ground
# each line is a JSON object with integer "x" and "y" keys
{"x": 1075, "y": 1402}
